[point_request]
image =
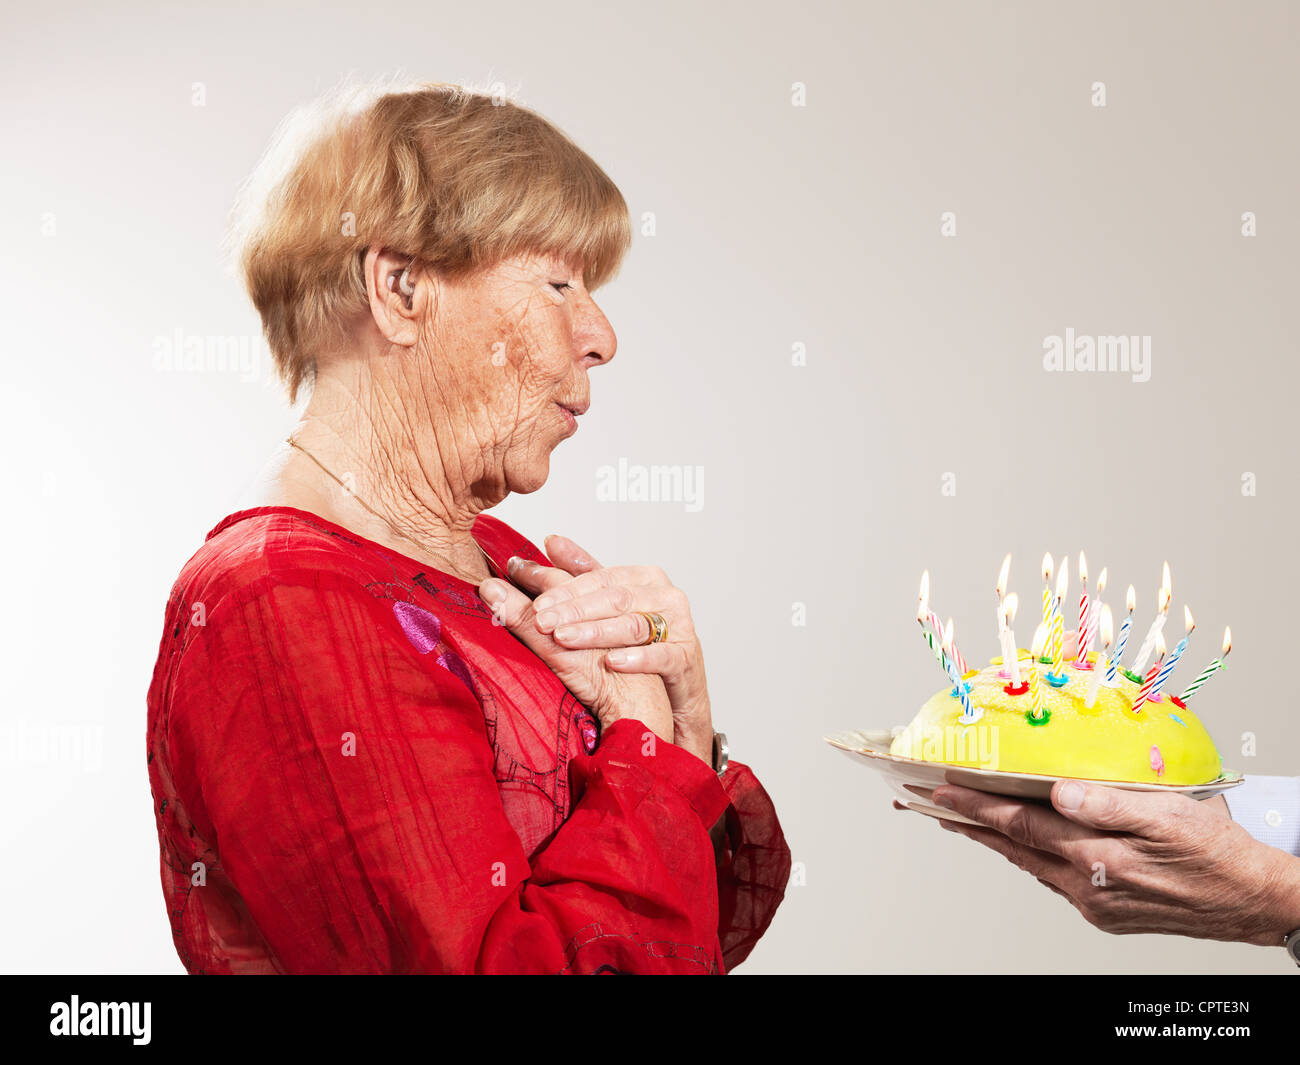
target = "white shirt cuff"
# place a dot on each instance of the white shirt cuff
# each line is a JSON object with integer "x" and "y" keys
{"x": 1269, "y": 809}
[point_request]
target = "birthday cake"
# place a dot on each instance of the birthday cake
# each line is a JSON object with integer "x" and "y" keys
{"x": 1052, "y": 715}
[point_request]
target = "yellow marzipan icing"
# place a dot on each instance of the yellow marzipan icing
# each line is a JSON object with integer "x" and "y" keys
{"x": 1107, "y": 742}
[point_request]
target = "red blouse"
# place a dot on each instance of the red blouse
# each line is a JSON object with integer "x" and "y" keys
{"x": 355, "y": 770}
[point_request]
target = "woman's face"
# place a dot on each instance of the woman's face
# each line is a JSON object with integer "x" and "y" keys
{"x": 510, "y": 349}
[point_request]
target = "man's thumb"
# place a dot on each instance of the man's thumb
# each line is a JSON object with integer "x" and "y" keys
{"x": 1109, "y": 809}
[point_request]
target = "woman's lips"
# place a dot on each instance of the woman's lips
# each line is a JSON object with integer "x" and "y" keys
{"x": 570, "y": 418}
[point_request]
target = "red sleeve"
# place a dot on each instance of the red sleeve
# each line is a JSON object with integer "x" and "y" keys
{"x": 348, "y": 788}
{"x": 753, "y": 868}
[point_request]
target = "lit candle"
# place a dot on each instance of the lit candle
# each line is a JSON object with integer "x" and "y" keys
{"x": 1131, "y": 600}
{"x": 1094, "y": 611}
{"x": 969, "y": 712}
{"x": 923, "y": 615}
{"x": 1058, "y": 621}
{"x": 1172, "y": 660}
{"x": 1112, "y": 659}
{"x": 1037, "y": 707}
{"x": 1081, "y": 654}
{"x": 956, "y": 654}
{"x": 1144, "y": 692}
{"x": 1010, "y": 657}
{"x": 1047, "y": 591}
{"x": 1149, "y": 642}
{"x": 1211, "y": 669}
{"x": 1107, "y": 637}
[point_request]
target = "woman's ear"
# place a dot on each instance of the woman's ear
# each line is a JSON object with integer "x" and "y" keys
{"x": 398, "y": 292}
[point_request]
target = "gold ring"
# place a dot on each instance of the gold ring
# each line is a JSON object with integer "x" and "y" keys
{"x": 658, "y": 627}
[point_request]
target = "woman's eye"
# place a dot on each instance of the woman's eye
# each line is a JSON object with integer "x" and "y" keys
{"x": 562, "y": 286}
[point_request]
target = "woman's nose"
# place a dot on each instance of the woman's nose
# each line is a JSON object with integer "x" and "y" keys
{"x": 597, "y": 341}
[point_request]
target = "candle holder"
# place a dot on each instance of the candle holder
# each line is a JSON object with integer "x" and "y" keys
{"x": 1036, "y": 721}
{"x": 1178, "y": 703}
{"x": 1134, "y": 677}
{"x": 1016, "y": 689}
{"x": 1056, "y": 680}
{"x": 956, "y": 694}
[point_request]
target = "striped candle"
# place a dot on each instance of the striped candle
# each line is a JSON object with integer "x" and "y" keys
{"x": 1058, "y": 618}
{"x": 1081, "y": 652}
{"x": 1037, "y": 706}
{"x": 923, "y": 614}
{"x": 1113, "y": 661}
{"x": 969, "y": 712}
{"x": 1104, "y": 658}
{"x": 1131, "y": 600}
{"x": 1047, "y": 590}
{"x": 1172, "y": 660}
{"x": 1094, "y": 615}
{"x": 934, "y": 644}
{"x": 1011, "y": 656}
{"x": 1162, "y": 614}
{"x": 1209, "y": 670}
{"x": 1148, "y": 683}
{"x": 962, "y": 668}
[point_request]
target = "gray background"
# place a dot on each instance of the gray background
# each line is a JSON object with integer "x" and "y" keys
{"x": 776, "y": 225}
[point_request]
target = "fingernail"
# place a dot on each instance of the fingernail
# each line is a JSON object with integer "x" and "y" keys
{"x": 492, "y": 592}
{"x": 513, "y": 563}
{"x": 948, "y": 826}
{"x": 542, "y": 602}
{"x": 943, "y": 800}
{"x": 546, "y": 620}
{"x": 1070, "y": 797}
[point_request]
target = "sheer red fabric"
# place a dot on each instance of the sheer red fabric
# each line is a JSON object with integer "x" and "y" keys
{"x": 355, "y": 770}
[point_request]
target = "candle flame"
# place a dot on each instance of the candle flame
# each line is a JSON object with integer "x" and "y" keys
{"x": 1132, "y": 598}
{"x": 1227, "y": 639}
{"x": 1047, "y": 569}
{"x": 1165, "y": 584}
{"x": 1101, "y": 581}
{"x": 923, "y": 599}
{"x": 1161, "y": 646}
{"x": 947, "y": 639}
{"x": 1083, "y": 568}
{"x": 1063, "y": 579}
{"x": 1188, "y": 623}
{"x": 1003, "y": 575}
{"x": 1107, "y": 627}
{"x": 1009, "y": 607}
{"x": 1040, "y": 641}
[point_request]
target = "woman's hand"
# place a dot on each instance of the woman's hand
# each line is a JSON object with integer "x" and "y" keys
{"x": 608, "y": 695}
{"x": 583, "y": 606}
{"x": 1140, "y": 861}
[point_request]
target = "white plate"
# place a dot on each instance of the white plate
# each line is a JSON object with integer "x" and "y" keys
{"x": 872, "y": 748}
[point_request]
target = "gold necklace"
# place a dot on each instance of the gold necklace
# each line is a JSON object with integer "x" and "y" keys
{"x": 395, "y": 531}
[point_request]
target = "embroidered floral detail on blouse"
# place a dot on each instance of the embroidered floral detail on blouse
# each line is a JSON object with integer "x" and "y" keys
{"x": 455, "y": 665}
{"x": 588, "y": 729}
{"x": 421, "y": 627}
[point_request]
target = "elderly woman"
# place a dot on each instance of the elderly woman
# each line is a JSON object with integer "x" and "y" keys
{"x": 386, "y": 732}
{"x": 1133, "y": 861}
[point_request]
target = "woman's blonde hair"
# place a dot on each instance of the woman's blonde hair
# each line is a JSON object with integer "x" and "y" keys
{"x": 455, "y": 178}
